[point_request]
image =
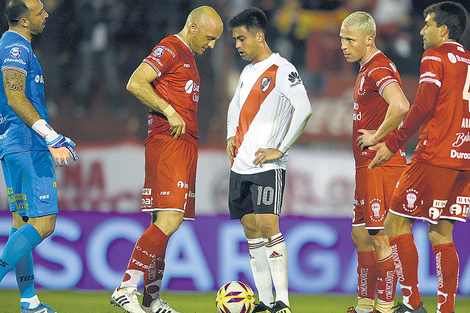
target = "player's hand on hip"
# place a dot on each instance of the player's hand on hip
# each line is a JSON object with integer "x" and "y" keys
{"x": 263, "y": 155}
{"x": 367, "y": 138}
{"x": 230, "y": 147}
{"x": 62, "y": 150}
{"x": 382, "y": 156}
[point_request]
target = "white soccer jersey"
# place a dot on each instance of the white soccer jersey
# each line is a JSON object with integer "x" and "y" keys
{"x": 270, "y": 94}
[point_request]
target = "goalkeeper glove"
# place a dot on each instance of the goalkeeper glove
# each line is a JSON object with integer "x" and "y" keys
{"x": 60, "y": 146}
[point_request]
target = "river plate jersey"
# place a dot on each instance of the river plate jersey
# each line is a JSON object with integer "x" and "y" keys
{"x": 370, "y": 107}
{"x": 260, "y": 111}
{"x": 15, "y": 136}
{"x": 441, "y": 108}
{"x": 177, "y": 83}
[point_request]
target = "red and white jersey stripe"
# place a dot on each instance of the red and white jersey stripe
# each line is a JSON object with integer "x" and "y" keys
{"x": 261, "y": 111}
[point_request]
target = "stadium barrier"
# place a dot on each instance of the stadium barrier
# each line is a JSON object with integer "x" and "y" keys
{"x": 90, "y": 251}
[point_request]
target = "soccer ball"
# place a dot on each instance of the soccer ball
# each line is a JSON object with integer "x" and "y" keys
{"x": 235, "y": 297}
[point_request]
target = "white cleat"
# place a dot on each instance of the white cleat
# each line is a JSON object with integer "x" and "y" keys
{"x": 159, "y": 306}
{"x": 126, "y": 299}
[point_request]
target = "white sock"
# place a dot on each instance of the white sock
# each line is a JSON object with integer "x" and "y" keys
{"x": 132, "y": 279}
{"x": 276, "y": 250}
{"x": 261, "y": 270}
{"x": 33, "y": 302}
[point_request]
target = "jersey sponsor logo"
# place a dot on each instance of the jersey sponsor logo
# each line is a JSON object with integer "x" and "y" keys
{"x": 147, "y": 192}
{"x": 191, "y": 86}
{"x": 147, "y": 202}
{"x": 357, "y": 116}
{"x": 295, "y": 79}
{"x": 465, "y": 122}
{"x": 436, "y": 209}
{"x": 159, "y": 52}
{"x": 459, "y": 155}
{"x": 431, "y": 58}
{"x": 411, "y": 198}
{"x": 265, "y": 83}
{"x": 182, "y": 184}
{"x": 15, "y": 52}
{"x": 461, "y": 59}
{"x": 14, "y": 60}
{"x": 186, "y": 65}
{"x": 461, "y": 139}
{"x": 460, "y": 207}
{"x": 39, "y": 79}
{"x": 452, "y": 57}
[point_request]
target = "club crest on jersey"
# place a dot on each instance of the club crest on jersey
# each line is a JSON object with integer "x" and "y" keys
{"x": 295, "y": 79}
{"x": 15, "y": 52}
{"x": 265, "y": 83}
{"x": 375, "y": 206}
{"x": 411, "y": 200}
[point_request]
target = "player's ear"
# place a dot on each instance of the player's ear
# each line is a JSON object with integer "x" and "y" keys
{"x": 444, "y": 31}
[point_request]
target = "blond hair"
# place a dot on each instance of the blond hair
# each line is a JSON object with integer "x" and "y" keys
{"x": 364, "y": 22}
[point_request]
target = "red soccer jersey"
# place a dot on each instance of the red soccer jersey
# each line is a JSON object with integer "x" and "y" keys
{"x": 441, "y": 108}
{"x": 370, "y": 107}
{"x": 177, "y": 83}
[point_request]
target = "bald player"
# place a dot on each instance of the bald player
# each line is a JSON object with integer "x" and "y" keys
{"x": 167, "y": 81}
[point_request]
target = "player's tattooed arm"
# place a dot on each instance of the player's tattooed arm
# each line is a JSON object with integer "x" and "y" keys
{"x": 14, "y": 83}
{"x": 14, "y": 80}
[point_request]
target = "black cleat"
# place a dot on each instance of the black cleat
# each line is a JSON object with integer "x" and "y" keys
{"x": 402, "y": 308}
{"x": 280, "y": 307}
{"x": 261, "y": 308}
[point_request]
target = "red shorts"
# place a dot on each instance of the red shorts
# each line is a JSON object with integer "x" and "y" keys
{"x": 170, "y": 174}
{"x": 374, "y": 189}
{"x": 431, "y": 192}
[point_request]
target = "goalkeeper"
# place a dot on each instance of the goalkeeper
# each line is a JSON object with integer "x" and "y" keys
{"x": 29, "y": 147}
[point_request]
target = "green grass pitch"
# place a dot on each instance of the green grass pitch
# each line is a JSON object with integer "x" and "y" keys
{"x": 98, "y": 302}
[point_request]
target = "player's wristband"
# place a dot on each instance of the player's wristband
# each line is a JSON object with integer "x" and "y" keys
{"x": 169, "y": 110}
{"x": 45, "y": 130}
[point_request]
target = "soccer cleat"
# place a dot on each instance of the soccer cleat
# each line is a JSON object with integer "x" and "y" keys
{"x": 280, "y": 307}
{"x": 402, "y": 308}
{"x": 41, "y": 308}
{"x": 126, "y": 299}
{"x": 159, "y": 306}
{"x": 261, "y": 308}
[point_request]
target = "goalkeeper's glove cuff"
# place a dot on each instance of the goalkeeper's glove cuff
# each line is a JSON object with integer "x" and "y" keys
{"x": 46, "y": 131}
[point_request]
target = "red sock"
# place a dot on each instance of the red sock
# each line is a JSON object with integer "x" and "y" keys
{"x": 153, "y": 281}
{"x": 447, "y": 264}
{"x": 387, "y": 280}
{"x": 405, "y": 257}
{"x": 367, "y": 274}
{"x": 152, "y": 244}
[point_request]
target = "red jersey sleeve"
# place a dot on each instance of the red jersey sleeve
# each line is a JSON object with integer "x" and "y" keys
{"x": 418, "y": 114}
{"x": 161, "y": 59}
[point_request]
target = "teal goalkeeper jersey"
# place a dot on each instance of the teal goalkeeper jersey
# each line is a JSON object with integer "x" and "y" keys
{"x": 15, "y": 136}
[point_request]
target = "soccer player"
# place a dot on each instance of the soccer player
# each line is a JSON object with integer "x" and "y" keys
{"x": 270, "y": 94}
{"x": 167, "y": 81}
{"x": 29, "y": 148}
{"x": 435, "y": 185}
{"x": 379, "y": 104}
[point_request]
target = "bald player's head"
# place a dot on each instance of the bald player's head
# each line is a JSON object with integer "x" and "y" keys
{"x": 203, "y": 27}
